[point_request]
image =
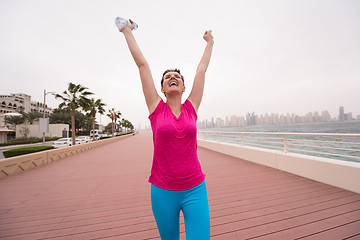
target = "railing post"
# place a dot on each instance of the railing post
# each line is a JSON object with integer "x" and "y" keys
{"x": 285, "y": 143}
{"x": 242, "y": 139}
{"x": 218, "y": 137}
{"x": 202, "y": 135}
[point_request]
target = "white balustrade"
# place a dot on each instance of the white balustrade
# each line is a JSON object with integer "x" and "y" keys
{"x": 329, "y": 145}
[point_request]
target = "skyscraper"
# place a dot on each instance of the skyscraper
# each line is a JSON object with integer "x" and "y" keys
{"x": 341, "y": 114}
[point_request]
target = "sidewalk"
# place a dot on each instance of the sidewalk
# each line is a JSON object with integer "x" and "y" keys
{"x": 104, "y": 194}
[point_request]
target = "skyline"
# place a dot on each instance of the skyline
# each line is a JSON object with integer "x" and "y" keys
{"x": 276, "y": 119}
{"x": 255, "y": 119}
{"x": 341, "y": 111}
{"x": 269, "y": 56}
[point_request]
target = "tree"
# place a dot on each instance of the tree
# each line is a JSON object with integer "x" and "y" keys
{"x": 118, "y": 126}
{"x": 64, "y": 116}
{"x": 31, "y": 116}
{"x": 73, "y": 98}
{"x": 108, "y": 128}
{"x": 123, "y": 123}
{"x": 113, "y": 115}
{"x": 82, "y": 122}
{"x": 25, "y": 131}
{"x": 14, "y": 120}
{"x": 60, "y": 116}
{"x": 131, "y": 126}
{"x": 127, "y": 125}
{"x": 95, "y": 107}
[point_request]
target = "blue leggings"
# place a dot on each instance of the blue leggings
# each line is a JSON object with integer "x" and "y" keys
{"x": 166, "y": 206}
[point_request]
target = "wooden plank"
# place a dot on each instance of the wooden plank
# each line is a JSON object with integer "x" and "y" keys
{"x": 104, "y": 194}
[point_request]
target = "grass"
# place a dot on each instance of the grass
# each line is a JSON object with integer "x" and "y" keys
{"x": 25, "y": 150}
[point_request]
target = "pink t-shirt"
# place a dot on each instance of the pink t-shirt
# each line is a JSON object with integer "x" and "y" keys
{"x": 175, "y": 162}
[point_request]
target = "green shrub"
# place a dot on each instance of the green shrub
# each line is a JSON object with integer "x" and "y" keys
{"x": 128, "y": 133}
{"x": 25, "y": 150}
{"x": 116, "y": 135}
{"x": 105, "y": 137}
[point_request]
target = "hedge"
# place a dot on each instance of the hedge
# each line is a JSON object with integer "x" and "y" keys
{"x": 25, "y": 150}
{"x": 101, "y": 138}
{"x": 105, "y": 137}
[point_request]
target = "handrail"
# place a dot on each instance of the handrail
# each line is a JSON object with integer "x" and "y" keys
{"x": 329, "y": 145}
{"x": 289, "y": 133}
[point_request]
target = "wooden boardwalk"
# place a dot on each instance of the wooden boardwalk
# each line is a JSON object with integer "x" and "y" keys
{"x": 104, "y": 194}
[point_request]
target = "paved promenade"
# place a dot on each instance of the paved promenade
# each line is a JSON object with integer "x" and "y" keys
{"x": 104, "y": 194}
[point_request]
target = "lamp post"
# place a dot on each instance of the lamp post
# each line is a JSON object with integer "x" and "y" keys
{"x": 45, "y": 93}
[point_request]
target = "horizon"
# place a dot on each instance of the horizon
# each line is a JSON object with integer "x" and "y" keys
{"x": 355, "y": 116}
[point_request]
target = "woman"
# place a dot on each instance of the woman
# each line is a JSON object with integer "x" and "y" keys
{"x": 177, "y": 181}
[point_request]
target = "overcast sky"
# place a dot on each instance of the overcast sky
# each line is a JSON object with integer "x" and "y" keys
{"x": 278, "y": 56}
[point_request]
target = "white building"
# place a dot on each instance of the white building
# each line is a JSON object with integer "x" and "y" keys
{"x": 20, "y": 103}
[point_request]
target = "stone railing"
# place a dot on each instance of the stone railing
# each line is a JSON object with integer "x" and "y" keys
{"x": 14, "y": 165}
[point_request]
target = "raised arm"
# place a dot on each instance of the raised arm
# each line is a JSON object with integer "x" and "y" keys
{"x": 151, "y": 96}
{"x": 199, "y": 81}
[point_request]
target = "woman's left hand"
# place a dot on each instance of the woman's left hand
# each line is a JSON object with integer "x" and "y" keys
{"x": 208, "y": 36}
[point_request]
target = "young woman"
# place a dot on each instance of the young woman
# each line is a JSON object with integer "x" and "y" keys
{"x": 177, "y": 181}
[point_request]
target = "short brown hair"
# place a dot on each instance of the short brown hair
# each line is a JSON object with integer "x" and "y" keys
{"x": 172, "y": 70}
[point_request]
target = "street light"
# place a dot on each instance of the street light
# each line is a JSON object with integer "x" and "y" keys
{"x": 45, "y": 93}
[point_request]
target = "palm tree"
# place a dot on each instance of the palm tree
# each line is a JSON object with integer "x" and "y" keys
{"x": 73, "y": 98}
{"x": 31, "y": 116}
{"x": 131, "y": 126}
{"x": 112, "y": 115}
{"x": 127, "y": 125}
{"x": 14, "y": 120}
{"x": 95, "y": 107}
{"x": 124, "y": 123}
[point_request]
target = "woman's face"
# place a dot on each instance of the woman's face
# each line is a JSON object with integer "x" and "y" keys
{"x": 173, "y": 84}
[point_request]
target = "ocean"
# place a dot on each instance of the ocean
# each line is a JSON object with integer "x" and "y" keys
{"x": 340, "y": 148}
{"x": 320, "y": 127}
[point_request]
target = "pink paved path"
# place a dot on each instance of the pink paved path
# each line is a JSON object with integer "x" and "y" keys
{"x": 104, "y": 194}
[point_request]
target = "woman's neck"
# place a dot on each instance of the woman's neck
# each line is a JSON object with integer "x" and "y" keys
{"x": 174, "y": 104}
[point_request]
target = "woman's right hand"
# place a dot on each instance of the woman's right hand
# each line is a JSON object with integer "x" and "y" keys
{"x": 208, "y": 37}
{"x": 128, "y": 28}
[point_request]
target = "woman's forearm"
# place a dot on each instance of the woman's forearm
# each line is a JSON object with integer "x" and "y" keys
{"x": 134, "y": 49}
{"x": 151, "y": 96}
{"x": 205, "y": 59}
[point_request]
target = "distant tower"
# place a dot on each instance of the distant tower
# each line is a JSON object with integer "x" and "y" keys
{"x": 248, "y": 119}
{"x": 253, "y": 119}
{"x": 341, "y": 114}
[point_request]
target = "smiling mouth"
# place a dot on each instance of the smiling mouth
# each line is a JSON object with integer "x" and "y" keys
{"x": 173, "y": 84}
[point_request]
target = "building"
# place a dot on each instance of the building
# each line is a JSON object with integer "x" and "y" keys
{"x": 348, "y": 117}
{"x": 345, "y": 116}
{"x": 251, "y": 119}
{"x": 219, "y": 123}
{"x": 341, "y": 114}
{"x": 325, "y": 116}
{"x": 20, "y": 103}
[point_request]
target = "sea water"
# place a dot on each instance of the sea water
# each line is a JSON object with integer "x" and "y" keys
{"x": 319, "y": 127}
{"x": 300, "y": 144}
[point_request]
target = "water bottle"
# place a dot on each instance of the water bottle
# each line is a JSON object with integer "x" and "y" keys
{"x": 122, "y": 22}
